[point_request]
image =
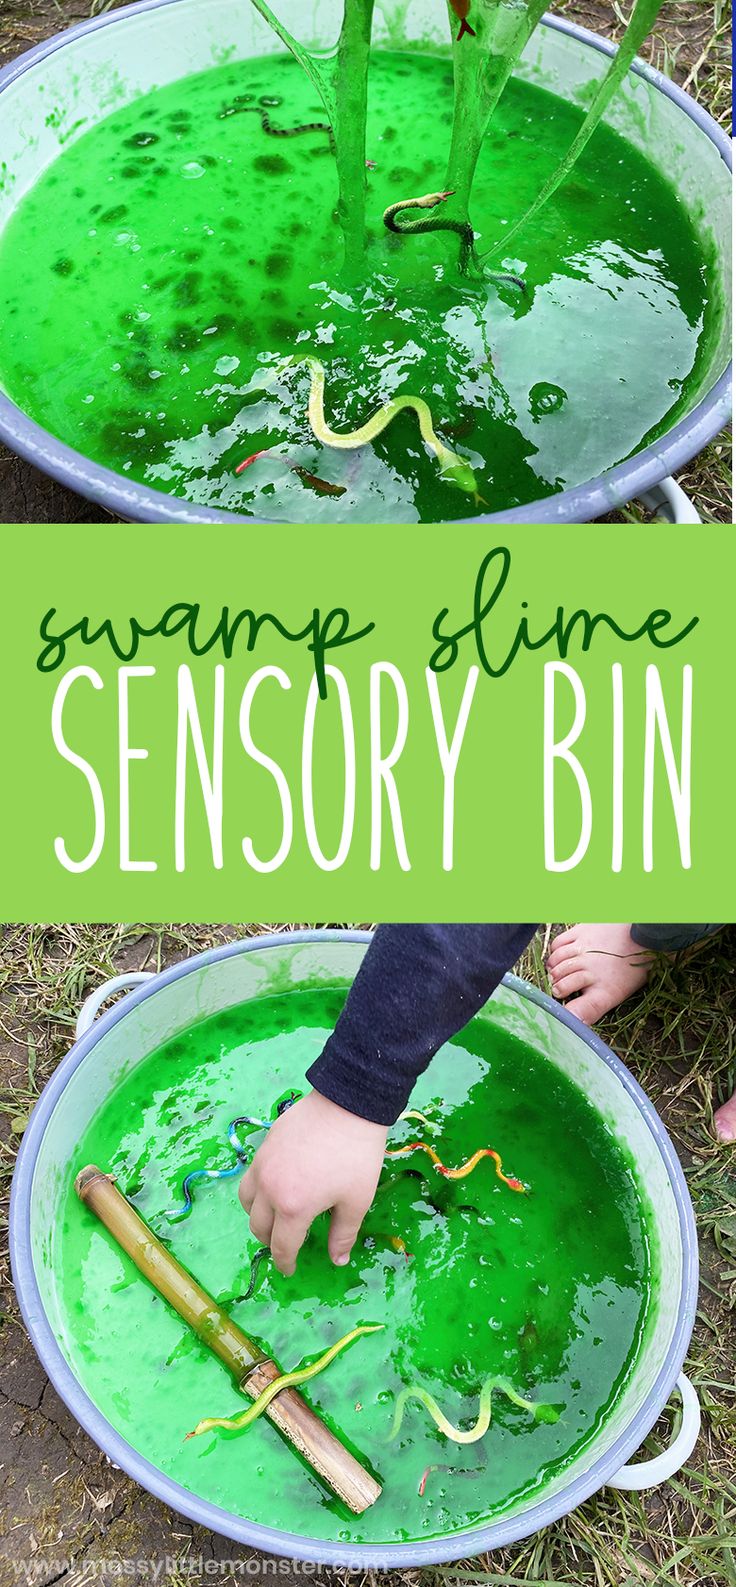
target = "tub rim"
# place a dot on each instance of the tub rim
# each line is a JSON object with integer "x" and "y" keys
{"x": 203, "y": 1512}
{"x": 606, "y": 492}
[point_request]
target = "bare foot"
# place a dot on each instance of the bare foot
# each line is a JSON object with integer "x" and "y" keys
{"x": 605, "y": 966}
{"x": 601, "y": 963}
{"x": 724, "y": 1120}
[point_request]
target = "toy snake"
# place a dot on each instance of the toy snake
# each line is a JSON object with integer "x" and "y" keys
{"x": 287, "y": 1380}
{"x": 462, "y": 229}
{"x": 400, "y": 1246}
{"x": 470, "y": 1435}
{"x": 461, "y": 9}
{"x": 414, "y": 228}
{"x": 465, "y": 1168}
{"x": 452, "y": 1471}
{"x": 239, "y": 1149}
{"x": 400, "y": 1151}
{"x": 282, "y": 1106}
{"x": 454, "y": 470}
{"x": 203, "y": 1173}
{"x": 413, "y": 1113}
{"x": 255, "y": 1264}
{"x": 323, "y": 487}
{"x": 243, "y": 105}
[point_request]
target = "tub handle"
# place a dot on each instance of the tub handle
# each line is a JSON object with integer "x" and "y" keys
{"x": 92, "y": 1004}
{"x": 669, "y": 500}
{"x": 649, "y": 1473}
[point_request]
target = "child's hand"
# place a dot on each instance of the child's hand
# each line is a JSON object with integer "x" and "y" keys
{"x": 316, "y": 1158}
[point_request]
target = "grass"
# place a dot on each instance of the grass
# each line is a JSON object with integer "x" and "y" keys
{"x": 679, "y": 1039}
{"x": 690, "y": 42}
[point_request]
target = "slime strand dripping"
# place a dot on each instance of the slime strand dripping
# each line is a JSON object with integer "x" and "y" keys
{"x": 287, "y": 1380}
{"x": 454, "y": 469}
{"x": 470, "y": 1435}
{"x": 640, "y": 25}
{"x": 465, "y": 1168}
{"x": 341, "y": 80}
{"x": 481, "y": 71}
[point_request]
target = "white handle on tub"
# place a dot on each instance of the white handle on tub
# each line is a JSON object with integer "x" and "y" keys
{"x": 669, "y": 500}
{"x": 92, "y": 1004}
{"x": 649, "y": 1473}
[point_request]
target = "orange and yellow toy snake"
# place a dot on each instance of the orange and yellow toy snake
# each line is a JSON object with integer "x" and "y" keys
{"x": 465, "y": 1168}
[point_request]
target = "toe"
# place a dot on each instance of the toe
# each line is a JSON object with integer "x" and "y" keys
{"x": 560, "y": 956}
{"x": 565, "y": 937}
{"x": 574, "y": 981}
{"x": 590, "y": 1006}
{"x": 724, "y": 1121}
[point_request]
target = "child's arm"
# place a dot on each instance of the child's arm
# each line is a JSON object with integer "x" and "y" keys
{"x": 417, "y": 986}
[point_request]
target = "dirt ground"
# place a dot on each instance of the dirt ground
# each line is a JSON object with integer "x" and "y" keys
{"x": 67, "y": 1514}
{"x": 691, "y": 42}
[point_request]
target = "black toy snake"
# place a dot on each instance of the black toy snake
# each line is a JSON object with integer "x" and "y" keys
{"x": 243, "y": 105}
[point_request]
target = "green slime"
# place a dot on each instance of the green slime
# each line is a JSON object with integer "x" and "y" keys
{"x": 169, "y": 260}
{"x": 549, "y": 1289}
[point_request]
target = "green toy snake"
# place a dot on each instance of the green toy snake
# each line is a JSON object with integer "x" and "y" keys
{"x": 414, "y": 228}
{"x": 462, "y": 229}
{"x": 454, "y": 470}
{"x": 541, "y": 1413}
{"x": 287, "y": 1380}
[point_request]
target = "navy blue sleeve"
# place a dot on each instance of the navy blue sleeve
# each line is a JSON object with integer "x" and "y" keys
{"x": 671, "y": 939}
{"x": 416, "y": 987}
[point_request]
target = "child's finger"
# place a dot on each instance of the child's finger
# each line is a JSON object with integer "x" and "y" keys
{"x": 344, "y": 1225}
{"x": 247, "y": 1190}
{"x": 261, "y": 1219}
{"x": 287, "y": 1238}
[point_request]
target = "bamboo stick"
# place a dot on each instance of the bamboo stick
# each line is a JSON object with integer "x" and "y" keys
{"x": 249, "y": 1366}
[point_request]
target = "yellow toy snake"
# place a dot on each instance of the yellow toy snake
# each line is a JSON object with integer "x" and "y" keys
{"x": 287, "y": 1380}
{"x": 470, "y": 1435}
{"x": 454, "y": 470}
